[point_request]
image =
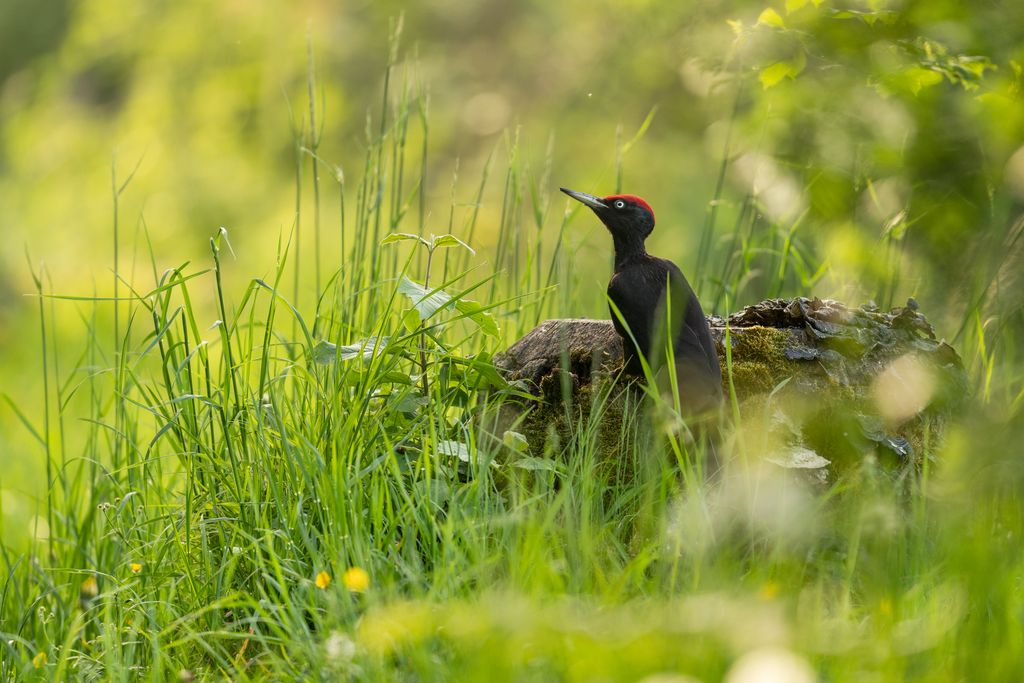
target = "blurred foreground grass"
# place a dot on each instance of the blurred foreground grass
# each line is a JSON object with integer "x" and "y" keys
{"x": 261, "y": 460}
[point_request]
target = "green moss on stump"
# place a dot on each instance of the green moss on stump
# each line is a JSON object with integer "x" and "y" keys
{"x": 832, "y": 354}
{"x": 759, "y": 360}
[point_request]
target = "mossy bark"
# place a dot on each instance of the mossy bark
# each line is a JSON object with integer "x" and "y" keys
{"x": 807, "y": 375}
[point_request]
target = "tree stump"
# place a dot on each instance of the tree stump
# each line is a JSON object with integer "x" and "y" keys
{"x": 828, "y": 383}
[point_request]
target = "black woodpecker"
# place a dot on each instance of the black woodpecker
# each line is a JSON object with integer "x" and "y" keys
{"x": 637, "y": 289}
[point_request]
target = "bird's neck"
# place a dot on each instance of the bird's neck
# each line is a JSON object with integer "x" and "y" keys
{"x": 628, "y": 250}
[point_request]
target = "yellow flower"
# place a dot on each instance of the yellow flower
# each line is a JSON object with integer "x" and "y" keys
{"x": 39, "y": 661}
{"x": 323, "y": 580}
{"x": 769, "y": 591}
{"x": 356, "y": 579}
{"x": 136, "y": 567}
{"x": 89, "y": 587}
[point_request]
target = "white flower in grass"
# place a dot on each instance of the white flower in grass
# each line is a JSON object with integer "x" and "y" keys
{"x": 340, "y": 650}
{"x": 771, "y": 665}
{"x": 667, "y": 677}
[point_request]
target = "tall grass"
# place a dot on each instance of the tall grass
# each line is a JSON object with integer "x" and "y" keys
{"x": 243, "y": 458}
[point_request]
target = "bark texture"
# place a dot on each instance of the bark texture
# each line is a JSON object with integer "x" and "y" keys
{"x": 829, "y": 384}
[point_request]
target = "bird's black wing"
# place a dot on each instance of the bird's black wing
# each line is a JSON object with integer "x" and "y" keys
{"x": 691, "y": 334}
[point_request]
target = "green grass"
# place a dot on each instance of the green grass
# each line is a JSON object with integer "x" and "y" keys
{"x": 224, "y": 444}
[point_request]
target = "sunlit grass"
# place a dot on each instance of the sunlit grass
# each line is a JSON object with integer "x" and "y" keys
{"x": 299, "y": 487}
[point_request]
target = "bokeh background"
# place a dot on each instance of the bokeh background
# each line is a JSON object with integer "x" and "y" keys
{"x": 884, "y": 137}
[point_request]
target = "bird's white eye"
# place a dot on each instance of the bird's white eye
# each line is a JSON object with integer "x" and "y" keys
{"x": 619, "y": 204}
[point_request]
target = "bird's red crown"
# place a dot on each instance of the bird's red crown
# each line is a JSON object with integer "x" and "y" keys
{"x": 631, "y": 199}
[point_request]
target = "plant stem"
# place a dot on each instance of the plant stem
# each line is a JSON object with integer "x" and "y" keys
{"x": 423, "y": 339}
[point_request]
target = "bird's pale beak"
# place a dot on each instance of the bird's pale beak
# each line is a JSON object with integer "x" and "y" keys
{"x": 588, "y": 199}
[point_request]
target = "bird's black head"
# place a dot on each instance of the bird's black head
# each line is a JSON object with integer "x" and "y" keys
{"x": 626, "y": 216}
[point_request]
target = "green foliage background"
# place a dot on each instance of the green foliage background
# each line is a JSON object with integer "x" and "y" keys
{"x": 879, "y": 143}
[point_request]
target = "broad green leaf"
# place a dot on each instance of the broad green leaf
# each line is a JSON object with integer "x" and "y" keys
{"x": 411, "y": 319}
{"x": 794, "y": 5}
{"x": 427, "y": 304}
{"x": 437, "y": 491}
{"x": 774, "y": 74}
{"x": 917, "y": 78}
{"x": 535, "y": 464}
{"x": 404, "y": 237}
{"x": 410, "y": 403}
{"x": 770, "y": 17}
{"x": 515, "y": 441}
{"x": 454, "y": 449}
{"x": 482, "y": 365}
{"x": 869, "y": 18}
{"x": 452, "y": 241}
{"x": 798, "y": 458}
{"x": 326, "y": 353}
{"x": 475, "y": 312}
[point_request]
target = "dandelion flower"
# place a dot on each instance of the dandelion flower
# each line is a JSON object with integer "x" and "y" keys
{"x": 323, "y": 580}
{"x": 90, "y": 588}
{"x": 136, "y": 567}
{"x": 356, "y": 579}
{"x": 39, "y": 661}
{"x": 768, "y": 591}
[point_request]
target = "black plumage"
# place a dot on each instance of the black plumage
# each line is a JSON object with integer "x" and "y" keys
{"x": 638, "y": 292}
